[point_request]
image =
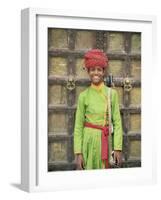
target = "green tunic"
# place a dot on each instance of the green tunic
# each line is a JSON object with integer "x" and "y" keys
{"x": 93, "y": 107}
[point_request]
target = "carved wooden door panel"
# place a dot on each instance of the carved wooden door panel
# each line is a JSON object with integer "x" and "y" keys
{"x": 66, "y": 79}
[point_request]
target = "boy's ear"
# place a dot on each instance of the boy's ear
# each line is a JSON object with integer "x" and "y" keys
{"x": 105, "y": 71}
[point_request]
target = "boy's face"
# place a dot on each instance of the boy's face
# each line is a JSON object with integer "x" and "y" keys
{"x": 96, "y": 74}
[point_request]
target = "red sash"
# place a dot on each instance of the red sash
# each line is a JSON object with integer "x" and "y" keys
{"x": 104, "y": 140}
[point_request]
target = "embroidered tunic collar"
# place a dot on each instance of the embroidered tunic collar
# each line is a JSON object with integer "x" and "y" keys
{"x": 98, "y": 87}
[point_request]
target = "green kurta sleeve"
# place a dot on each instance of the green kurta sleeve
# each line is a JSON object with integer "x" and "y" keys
{"x": 79, "y": 125}
{"x": 116, "y": 120}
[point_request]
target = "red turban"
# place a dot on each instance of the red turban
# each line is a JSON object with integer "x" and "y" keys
{"x": 95, "y": 57}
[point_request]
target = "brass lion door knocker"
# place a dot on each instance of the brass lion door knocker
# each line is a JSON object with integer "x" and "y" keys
{"x": 70, "y": 83}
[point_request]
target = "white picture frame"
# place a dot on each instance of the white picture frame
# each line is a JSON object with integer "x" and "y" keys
{"x": 34, "y": 173}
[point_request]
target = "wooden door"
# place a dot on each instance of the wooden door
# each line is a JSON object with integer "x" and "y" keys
{"x": 66, "y": 48}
